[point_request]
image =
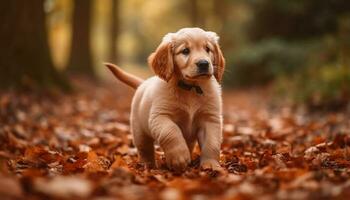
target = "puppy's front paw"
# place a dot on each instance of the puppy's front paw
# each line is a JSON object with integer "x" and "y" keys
{"x": 210, "y": 164}
{"x": 178, "y": 158}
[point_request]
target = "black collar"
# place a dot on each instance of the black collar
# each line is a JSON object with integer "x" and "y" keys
{"x": 186, "y": 86}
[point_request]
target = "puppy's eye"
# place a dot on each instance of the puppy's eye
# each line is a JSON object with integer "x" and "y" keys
{"x": 207, "y": 49}
{"x": 185, "y": 51}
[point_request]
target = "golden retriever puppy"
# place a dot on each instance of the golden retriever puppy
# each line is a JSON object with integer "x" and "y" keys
{"x": 182, "y": 104}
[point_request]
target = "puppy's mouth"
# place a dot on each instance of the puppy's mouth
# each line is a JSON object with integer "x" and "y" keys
{"x": 199, "y": 76}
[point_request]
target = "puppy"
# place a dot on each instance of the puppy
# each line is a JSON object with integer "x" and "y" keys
{"x": 182, "y": 104}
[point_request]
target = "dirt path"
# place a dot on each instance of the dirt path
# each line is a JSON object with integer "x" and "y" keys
{"x": 79, "y": 146}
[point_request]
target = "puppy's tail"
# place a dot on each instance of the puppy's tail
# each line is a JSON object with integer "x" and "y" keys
{"x": 129, "y": 79}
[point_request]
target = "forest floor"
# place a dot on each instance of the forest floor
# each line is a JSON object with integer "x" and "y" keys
{"x": 69, "y": 146}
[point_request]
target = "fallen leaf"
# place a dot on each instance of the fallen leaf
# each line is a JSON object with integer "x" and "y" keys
{"x": 64, "y": 187}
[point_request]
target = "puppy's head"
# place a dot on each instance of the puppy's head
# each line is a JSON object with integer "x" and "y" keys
{"x": 191, "y": 53}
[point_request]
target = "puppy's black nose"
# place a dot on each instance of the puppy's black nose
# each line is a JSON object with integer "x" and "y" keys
{"x": 203, "y": 66}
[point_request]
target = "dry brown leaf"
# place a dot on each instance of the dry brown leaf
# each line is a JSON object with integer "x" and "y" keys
{"x": 64, "y": 187}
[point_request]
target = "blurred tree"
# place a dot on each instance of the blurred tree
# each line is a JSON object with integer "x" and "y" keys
{"x": 25, "y": 54}
{"x": 296, "y": 19}
{"x": 221, "y": 8}
{"x": 115, "y": 24}
{"x": 344, "y": 40}
{"x": 81, "y": 55}
{"x": 194, "y": 13}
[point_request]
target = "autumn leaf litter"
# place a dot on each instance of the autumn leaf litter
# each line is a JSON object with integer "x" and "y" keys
{"x": 68, "y": 146}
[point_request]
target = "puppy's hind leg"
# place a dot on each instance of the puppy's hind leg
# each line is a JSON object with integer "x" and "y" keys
{"x": 145, "y": 147}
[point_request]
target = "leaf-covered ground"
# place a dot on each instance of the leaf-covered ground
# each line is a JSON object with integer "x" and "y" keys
{"x": 69, "y": 146}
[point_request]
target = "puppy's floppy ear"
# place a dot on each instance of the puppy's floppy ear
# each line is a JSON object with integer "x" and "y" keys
{"x": 219, "y": 60}
{"x": 161, "y": 61}
{"x": 219, "y": 63}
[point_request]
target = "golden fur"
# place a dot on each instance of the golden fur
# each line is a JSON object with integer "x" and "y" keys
{"x": 175, "y": 118}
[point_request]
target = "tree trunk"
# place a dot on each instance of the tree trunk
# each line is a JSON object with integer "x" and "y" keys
{"x": 25, "y": 54}
{"x": 115, "y": 24}
{"x": 194, "y": 14}
{"x": 81, "y": 57}
{"x": 221, "y": 8}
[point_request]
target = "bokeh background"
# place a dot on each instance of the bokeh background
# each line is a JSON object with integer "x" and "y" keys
{"x": 299, "y": 49}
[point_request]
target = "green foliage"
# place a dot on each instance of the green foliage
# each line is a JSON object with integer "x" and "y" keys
{"x": 326, "y": 87}
{"x": 264, "y": 61}
{"x": 298, "y": 19}
{"x": 291, "y": 38}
